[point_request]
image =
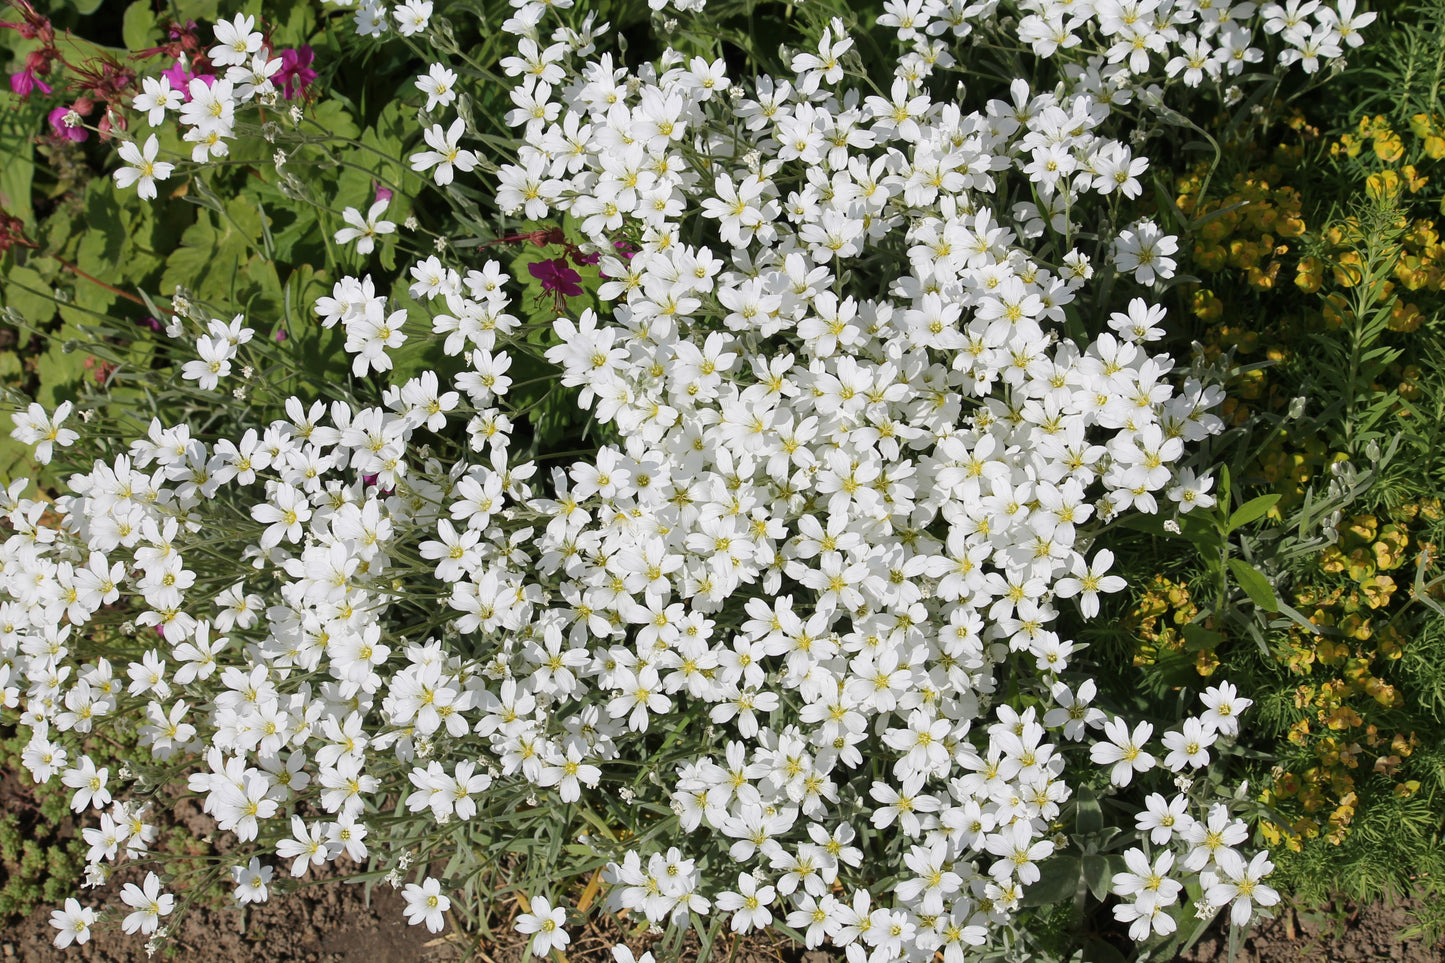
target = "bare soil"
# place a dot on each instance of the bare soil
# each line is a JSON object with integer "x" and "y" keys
{"x": 1343, "y": 935}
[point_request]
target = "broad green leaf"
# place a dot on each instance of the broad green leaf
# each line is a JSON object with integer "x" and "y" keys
{"x": 139, "y": 26}
{"x": 201, "y": 11}
{"x": 1088, "y": 814}
{"x": 18, "y": 124}
{"x": 1255, "y": 585}
{"x": 29, "y": 293}
{"x": 1058, "y": 881}
{"x": 210, "y": 256}
{"x": 332, "y": 117}
{"x": 1197, "y": 637}
{"x": 60, "y": 373}
{"x": 1252, "y": 509}
{"x": 1099, "y": 951}
{"x": 11, "y": 368}
{"x": 1097, "y": 875}
{"x": 15, "y": 460}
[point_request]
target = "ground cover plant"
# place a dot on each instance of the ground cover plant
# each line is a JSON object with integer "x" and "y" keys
{"x": 1321, "y": 238}
{"x": 603, "y": 461}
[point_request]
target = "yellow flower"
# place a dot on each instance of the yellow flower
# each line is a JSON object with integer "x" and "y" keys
{"x": 1382, "y": 184}
{"x": 1309, "y": 274}
{"x": 1389, "y": 148}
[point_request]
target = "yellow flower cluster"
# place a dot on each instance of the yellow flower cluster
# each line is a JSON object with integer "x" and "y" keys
{"x": 1255, "y": 236}
{"x": 1248, "y": 229}
{"x": 1359, "y": 613}
{"x": 1368, "y": 572}
{"x": 1157, "y": 625}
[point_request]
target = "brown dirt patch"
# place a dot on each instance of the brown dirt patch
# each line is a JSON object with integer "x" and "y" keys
{"x": 1358, "y": 934}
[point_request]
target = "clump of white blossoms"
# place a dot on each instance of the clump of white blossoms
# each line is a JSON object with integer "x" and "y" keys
{"x": 860, "y": 468}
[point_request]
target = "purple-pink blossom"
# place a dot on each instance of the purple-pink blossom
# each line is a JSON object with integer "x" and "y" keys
{"x": 25, "y": 82}
{"x": 181, "y": 78}
{"x": 557, "y": 277}
{"x": 63, "y": 130}
{"x": 296, "y": 74}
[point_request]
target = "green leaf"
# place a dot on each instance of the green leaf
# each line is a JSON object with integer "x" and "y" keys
{"x": 1098, "y": 951}
{"x": 14, "y": 460}
{"x": 1097, "y": 875}
{"x": 27, "y": 292}
{"x": 138, "y": 28}
{"x": 332, "y": 116}
{"x": 1252, "y": 509}
{"x": 1197, "y": 638}
{"x": 1058, "y": 881}
{"x": 1088, "y": 814}
{"x": 60, "y": 373}
{"x": 201, "y": 11}
{"x": 1255, "y": 585}
{"x": 11, "y": 367}
{"x": 17, "y": 172}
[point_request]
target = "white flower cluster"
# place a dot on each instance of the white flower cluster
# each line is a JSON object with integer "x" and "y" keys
{"x": 859, "y": 468}
{"x": 207, "y": 106}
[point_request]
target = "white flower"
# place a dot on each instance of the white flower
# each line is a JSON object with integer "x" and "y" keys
{"x": 283, "y": 515}
{"x": 1145, "y": 251}
{"x": 412, "y": 17}
{"x": 1225, "y": 706}
{"x": 156, "y": 98}
{"x": 364, "y": 231}
{"x": 749, "y": 905}
{"x": 1163, "y": 818}
{"x": 426, "y": 904}
{"x": 73, "y": 921}
{"x": 89, "y": 785}
{"x": 445, "y": 154}
{"x": 214, "y": 364}
{"x": 1072, "y": 710}
{"x": 1242, "y": 884}
{"x": 251, "y": 881}
{"x": 546, "y": 922}
{"x": 1147, "y": 884}
{"x": 145, "y": 170}
{"x": 1191, "y": 491}
{"x": 305, "y": 847}
{"x": 235, "y": 41}
{"x": 1124, "y": 750}
{"x": 1088, "y": 581}
{"x": 149, "y": 905}
{"x": 34, "y": 427}
{"x": 1190, "y": 746}
{"x": 439, "y": 85}
{"x": 212, "y": 107}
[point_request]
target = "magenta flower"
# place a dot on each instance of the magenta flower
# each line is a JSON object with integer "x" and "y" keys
{"x": 296, "y": 74}
{"x": 557, "y": 277}
{"x": 58, "y": 125}
{"x": 25, "y": 82}
{"x": 181, "y": 78}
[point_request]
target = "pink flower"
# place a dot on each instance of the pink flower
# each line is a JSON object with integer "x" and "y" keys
{"x": 296, "y": 74}
{"x": 23, "y": 84}
{"x": 62, "y": 130}
{"x": 557, "y": 277}
{"x": 181, "y": 78}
